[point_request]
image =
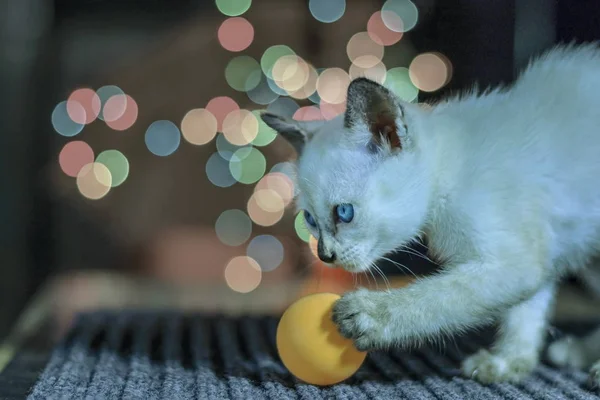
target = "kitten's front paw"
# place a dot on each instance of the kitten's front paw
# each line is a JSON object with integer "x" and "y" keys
{"x": 594, "y": 377}
{"x": 364, "y": 317}
{"x": 486, "y": 367}
{"x": 568, "y": 352}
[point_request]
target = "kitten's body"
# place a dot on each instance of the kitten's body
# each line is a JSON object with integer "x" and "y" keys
{"x": 505, "y": 187}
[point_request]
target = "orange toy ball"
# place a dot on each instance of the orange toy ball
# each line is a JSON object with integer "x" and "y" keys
{"x": 310, "y": 345}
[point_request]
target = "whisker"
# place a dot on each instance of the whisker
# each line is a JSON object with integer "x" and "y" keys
{"x": 400, "y": 266}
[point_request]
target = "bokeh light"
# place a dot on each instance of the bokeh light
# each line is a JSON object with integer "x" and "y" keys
{"x": 278, "y": 182}
{"x": 217, "y": 171}
{"x": 236, "y": 34}
{"x": 233, "y": 227}
{"x": 430, "y": 71}
{"x": 270, "y": 57}
{"x": 275, "y": 88}
{"x": 364, "y": 51}
{"x": 269, "y": 200}
{"x": 117, "y": 164}
{"x": 375, "y": 73}
{"x": 399, "y": 82}
{"x": 233, "y": 8}
{"x": 94, "y": 181}
{"x": 399, "y": 15}
{"x": 313, "y": 244}
{"x": 262, "y": 93}
{"x": 162, "y": 138}
{"x": 308, "y": 113}
{"x": 267, "y": 251}
{"x": 87, "y": 99}
{"x": 265, "y": 134}
{"x": 220, "y": 107}
{"x": 240, "y": 127}
{"x": 286, "y": 167}
{"x": 300, "y": 226}
{"x": 247, "y": 167}
{"x": 261, "y": 216}
{"x": 115, "y": 117}
{"x": 330, "y": 111}
{"x": 309, "y": 87}
{"x": 198, "y": 126}
{"x": 73, "y": 156}
{"x": 62, "y": 122}
{"x": 290, "y": 73}
{"x": 242, "y": 73}
{"x": 380, "y": 33}
{"x": 332, "y": 85}
{"x": 226, "y": 149}
{"x": 243, "y": 274}
{"x": 105, "y": 93}
{"x": 283, "y": 106}
{"x": 327, "y": 11}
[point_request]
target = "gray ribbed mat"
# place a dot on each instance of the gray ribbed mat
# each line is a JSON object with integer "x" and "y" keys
{"x": 171, "y": 356}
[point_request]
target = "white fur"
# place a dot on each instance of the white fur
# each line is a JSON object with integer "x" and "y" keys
{"x": 506, "y": 187}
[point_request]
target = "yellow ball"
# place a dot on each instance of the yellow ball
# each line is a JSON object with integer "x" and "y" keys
{"x": 310, "y": 345}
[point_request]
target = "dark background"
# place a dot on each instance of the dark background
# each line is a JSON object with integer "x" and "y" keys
{"x": 49, "y": 47}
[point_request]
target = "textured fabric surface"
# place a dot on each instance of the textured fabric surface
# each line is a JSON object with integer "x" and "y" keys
{"x": 173, "y": 356}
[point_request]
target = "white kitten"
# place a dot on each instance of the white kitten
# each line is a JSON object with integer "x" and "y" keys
{"x": 505, "y": 185}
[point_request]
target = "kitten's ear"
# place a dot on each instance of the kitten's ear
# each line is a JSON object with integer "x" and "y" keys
{"x": 297, "y": 133}
{"x": 375, "y": 108}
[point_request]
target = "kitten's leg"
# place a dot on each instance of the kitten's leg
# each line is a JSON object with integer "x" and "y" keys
{"x": 463, "y": 296}
{"x": 520, "y": 339}
{"x": 577, "y": 352}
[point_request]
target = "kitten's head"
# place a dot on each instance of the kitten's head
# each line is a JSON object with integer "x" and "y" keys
{"x": 361, "y": 177}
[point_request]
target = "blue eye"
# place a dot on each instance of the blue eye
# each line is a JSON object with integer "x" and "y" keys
{"x": 309, "y": 219}
{"x": 344, "y": 212}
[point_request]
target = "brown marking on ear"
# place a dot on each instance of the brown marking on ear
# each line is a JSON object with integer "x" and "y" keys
{"x": 383, "y": 126}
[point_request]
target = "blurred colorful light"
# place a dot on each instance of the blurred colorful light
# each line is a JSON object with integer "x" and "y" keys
{"x": 265, "y": 134}
{"x": 270, "y": 57}
{"x": 117, "y": 164}
{"x": 278, "y": 182}
{"x": 248, "y": 167}
{"x": 217, "y": 171}
{"x": 380, "y": 33}
{"x": 73, "y": 156}
{"x": 115, "y": 117}
{"x": 330, "y": 111}
{"x": 162, "y": 138}
{"x": 226, "y": 149}
{"x": 240, "y": 127}
{"x": 259, "y": 215}
{"x": 62, "y": 122}
{"x": 262, "y": 93}
{"x": 199, "y": 126}
{"x": 327, "y": 11}
{"x": 242, "y": 73}
{"x": 236, "y": 34}
{"x": 233, "y": 8}
{"x": 283, "y": 106}
{"x": 375, "y": 73}
{"x": 332, "y": 85}
{"x": 105, "y": 93}
{"x": 94, "y": 181}
{"x": 267, "y": 251}
{"x": 308, "y": 113}
{"x": 399, "y": 15}
{"x": 364, "y": 51}
{"x": 243, "y": 274}
{"x": 399, "y": 82}
{"x": 233, "y": 227}
{"x": 86, "y": 99}
{"x": 300, "y": 226}
{"x": 430, "y": 71}
{"x": 220, "y": 107}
